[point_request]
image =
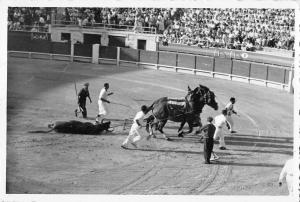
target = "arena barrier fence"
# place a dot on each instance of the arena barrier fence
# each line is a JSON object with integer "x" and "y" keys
{"x": 231, "y": 53}
{"x": 269, "y": 75}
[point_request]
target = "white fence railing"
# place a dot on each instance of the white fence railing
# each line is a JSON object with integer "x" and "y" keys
{"x": 119, "y": 63}
{"x": 110, "y": 27}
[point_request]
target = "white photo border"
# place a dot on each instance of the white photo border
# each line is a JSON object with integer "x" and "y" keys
{"x": 141, "y": 3}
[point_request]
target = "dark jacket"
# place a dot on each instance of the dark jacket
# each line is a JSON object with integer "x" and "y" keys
{"x": 82, "y": 95}
{"x": 208, "y": 130}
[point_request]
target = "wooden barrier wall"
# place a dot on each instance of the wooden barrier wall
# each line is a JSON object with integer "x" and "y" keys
{"x": 218, "y": 65}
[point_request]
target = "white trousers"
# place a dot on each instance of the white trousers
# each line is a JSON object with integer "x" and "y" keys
{"x": 102, "y": 108}
{"x": 220, "y": 133}
{"x": 134, "y": 135}
{"x": 230, "y": 120}
{"x": 289, "y": 182}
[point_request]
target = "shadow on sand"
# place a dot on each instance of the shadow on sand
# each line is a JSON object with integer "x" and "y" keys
{"x": 260, "y": 141}
{"x": 248, "y": 164}
{"x": 218, "y": 162}
{"x": 172, "y": 151}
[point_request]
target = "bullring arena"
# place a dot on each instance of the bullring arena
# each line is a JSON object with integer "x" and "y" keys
{"x": 145, "y": 54}
{"x": 42, "y": 91}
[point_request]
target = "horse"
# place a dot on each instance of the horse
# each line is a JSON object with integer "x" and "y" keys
{"x": 186, "y": 110}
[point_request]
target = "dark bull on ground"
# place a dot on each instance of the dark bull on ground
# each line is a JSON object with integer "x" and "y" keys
{"x": 77, "y": 127}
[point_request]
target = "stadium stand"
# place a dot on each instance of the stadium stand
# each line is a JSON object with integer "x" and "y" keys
{"x": 35, "y": 19}
{"x": 237, "y": 28}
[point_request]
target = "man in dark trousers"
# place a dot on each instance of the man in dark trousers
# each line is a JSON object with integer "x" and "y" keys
{"x": 82, "y": 95}
{"x": 209, "y": 131}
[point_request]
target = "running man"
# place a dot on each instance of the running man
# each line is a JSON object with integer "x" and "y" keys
{"x": 230, "y": 111}
{"x": 134, "y": 135}
{"x": 220, "y": 122}
{"x": 103, "y": 101}
{"x": 82, "y": 95}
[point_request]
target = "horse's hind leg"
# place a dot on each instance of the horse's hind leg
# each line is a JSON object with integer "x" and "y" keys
{"x": 149, "y": 126}
{"x": 180, "y": 132}
{"x": 190, "y": 128}
{"x": 160, "y": 129}
{"x": 151, "y": 129}
{"x": 199, "y": 125}
{"x": 149, "y": 120}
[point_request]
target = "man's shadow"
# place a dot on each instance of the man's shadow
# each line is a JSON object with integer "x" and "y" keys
{"x": 222, "y": 155}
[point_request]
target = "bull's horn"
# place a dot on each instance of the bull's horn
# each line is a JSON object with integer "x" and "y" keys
{"x": 51, "y": 125}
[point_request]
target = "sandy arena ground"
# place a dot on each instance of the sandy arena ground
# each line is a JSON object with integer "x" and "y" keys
{"x": 42, "y": 91}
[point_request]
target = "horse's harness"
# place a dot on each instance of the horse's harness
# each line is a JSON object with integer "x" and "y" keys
{"x": 178, "y": 102}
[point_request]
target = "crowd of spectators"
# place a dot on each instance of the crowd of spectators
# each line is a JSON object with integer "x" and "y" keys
{"x": 233, "y": 28}
{"x": 35, "y": 19}
{"x": 133, "y": 18}
{"x": 236, "y": 28}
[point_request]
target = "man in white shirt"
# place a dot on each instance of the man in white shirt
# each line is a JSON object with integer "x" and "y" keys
{"x": 134, "y": 135}
{"x": 220, "y": 122}
{"x": 287, "y": 173}
{"x": 103, "y": 101}
{"x": 230, "y": 111}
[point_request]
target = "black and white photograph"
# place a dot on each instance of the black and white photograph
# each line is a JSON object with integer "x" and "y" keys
{"x": 174, "y": 98}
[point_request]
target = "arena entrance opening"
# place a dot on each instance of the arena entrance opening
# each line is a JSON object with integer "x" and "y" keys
{"x": 91, "y": 39}
{"x": 65, "y": 36}
{"x": 142, "y": 44}
{"x": 117, "y": 41}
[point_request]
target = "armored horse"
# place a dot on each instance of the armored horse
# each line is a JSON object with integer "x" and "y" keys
{"x": 184, "y": 110}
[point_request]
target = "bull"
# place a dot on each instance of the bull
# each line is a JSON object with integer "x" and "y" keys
{"x": 77, "y": 127}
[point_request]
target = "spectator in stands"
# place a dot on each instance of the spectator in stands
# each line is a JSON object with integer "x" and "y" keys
{"x": 238, "y": 26}
{"x": 214, "y": 27}
{"x": 28, "y": 18}
{"x": 138, "y": 26}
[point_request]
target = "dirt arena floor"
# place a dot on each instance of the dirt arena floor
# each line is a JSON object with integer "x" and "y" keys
{"x": 42, "y": 91}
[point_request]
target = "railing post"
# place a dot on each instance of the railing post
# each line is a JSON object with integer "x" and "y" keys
{"x": 95, "y": 56}
{"x": 267, "y": 76}
{"x": 213, "y": 66}
{"x": 157, "y": 61}
{"x": 176, "y": 62}
{"x": 72, "y": 51}
{"x": 249, "y": 75}
{"x": 195, "y": 64}
{"x": 284, "y": 76}
{"x": 138, "y": 59}
{"x": 231, "y": 68}
{"x": 291, "y": 81}
{"x": 118, "y": 56}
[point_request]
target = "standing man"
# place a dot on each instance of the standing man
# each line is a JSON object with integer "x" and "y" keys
{"x": 134, "y": 135}
{"x": 82, "y": 95}
{"x": 103, "y": 101}
{"x": 287, "y": 173}
{"x": 220, "y": 122}
{"x": 209, "y": 131}
{"x": 230, "y": 111}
